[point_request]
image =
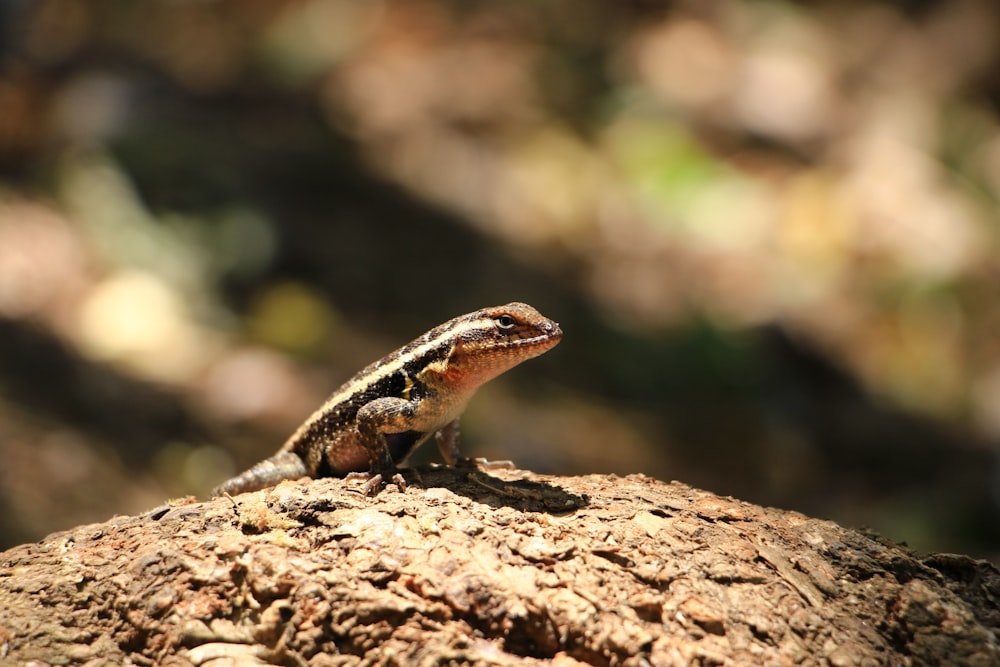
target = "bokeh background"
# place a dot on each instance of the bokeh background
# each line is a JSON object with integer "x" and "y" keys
{"x": 770, "y": 230}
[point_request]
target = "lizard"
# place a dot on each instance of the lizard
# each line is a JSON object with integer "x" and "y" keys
{"x": 380, "y": 415}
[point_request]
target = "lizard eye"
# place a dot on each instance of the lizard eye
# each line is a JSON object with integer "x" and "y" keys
{"x": 505, "y": 321}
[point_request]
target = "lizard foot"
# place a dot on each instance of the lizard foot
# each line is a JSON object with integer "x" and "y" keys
{"x": 484, "y": 464}
{"x": 377, "y": 481}
{"x": 373, "y": 485}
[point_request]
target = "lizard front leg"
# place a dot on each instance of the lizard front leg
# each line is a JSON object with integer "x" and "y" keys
{"x": 447, "y": 441}
{"x": 375, "y": 419}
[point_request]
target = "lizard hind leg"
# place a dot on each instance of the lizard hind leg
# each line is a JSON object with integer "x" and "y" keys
{"x": 270, "y": 471}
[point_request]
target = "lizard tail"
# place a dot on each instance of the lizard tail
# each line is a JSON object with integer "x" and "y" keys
{"x": 270, "y": 471}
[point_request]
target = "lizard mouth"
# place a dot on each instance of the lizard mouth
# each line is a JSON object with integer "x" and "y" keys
{"x": 547, "y": 339}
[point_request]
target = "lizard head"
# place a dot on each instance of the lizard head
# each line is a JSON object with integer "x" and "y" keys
{"x": 493, "y": 340}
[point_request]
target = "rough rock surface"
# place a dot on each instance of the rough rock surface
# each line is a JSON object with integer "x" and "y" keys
{"x": 500, "y": 568}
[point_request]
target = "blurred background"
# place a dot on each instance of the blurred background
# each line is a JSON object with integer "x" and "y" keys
{"x": 770, "y": 230}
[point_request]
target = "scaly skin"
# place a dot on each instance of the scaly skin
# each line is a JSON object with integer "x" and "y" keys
{"x": 379, "y": 416}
